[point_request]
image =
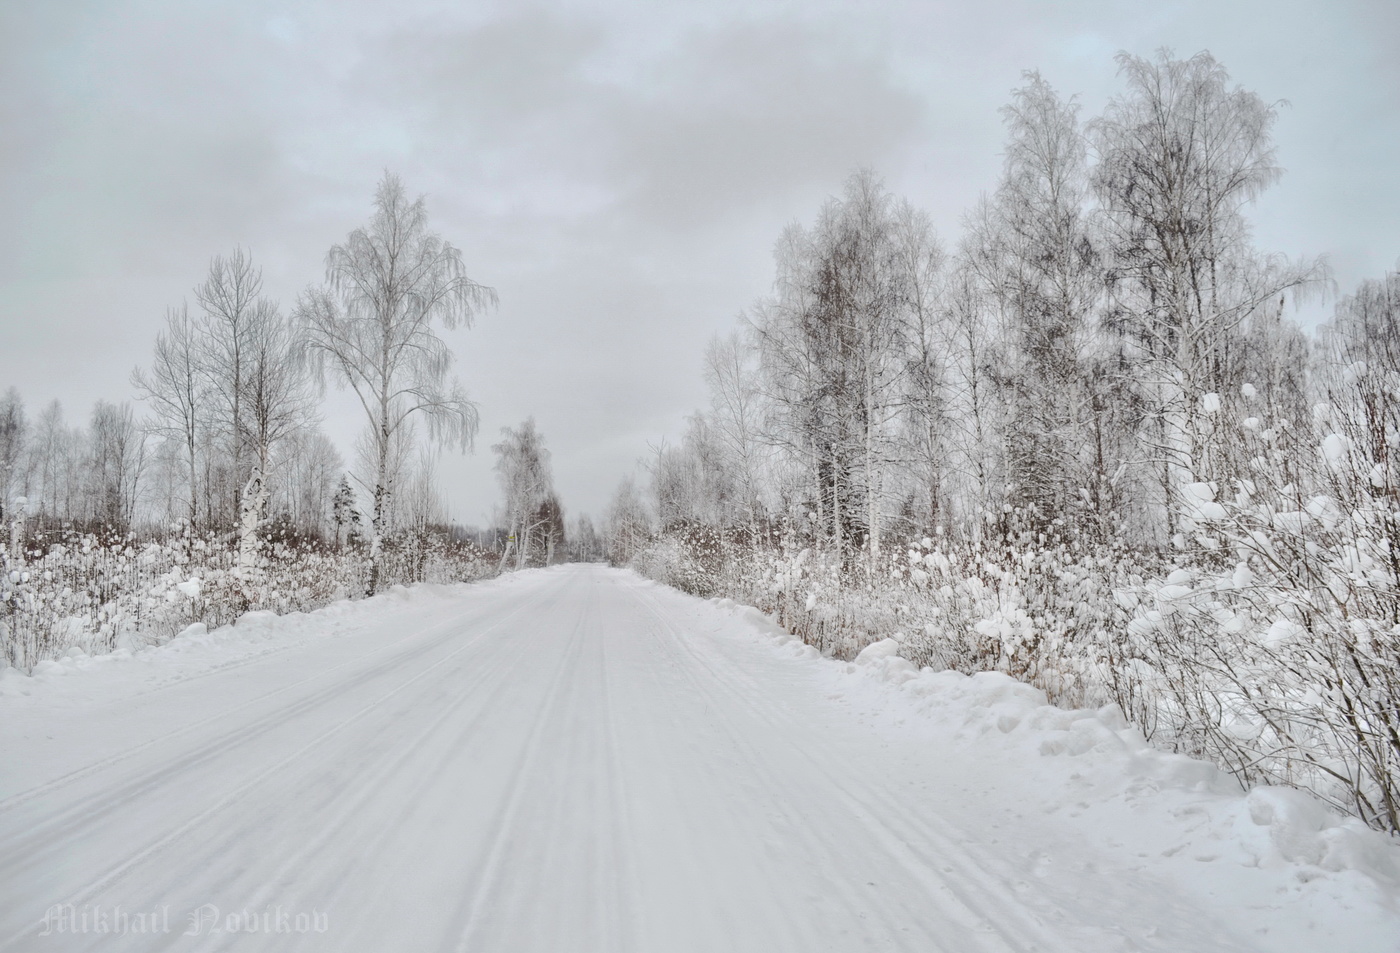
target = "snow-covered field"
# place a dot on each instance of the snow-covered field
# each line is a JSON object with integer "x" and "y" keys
{"x": 578, "y": 759}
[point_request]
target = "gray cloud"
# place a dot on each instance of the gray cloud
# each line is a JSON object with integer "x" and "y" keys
{"x": 619, "y": 171}
{"x": 717, "y": 119}
{"x": 757, "y": 112}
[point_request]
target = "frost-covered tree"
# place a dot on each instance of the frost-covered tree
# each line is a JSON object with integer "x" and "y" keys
{"x": 735, "y": 422}
{"x": 832, "y": 350}
{"x": 533, "y": 522}
{"x": 234, "y": 311}
{"x": 1180, "y": 156}
{"x": 55, "y": 465}
{"x": 628, "y": 523}
{"x": 371, "y": 328}
{"x": 923, "y": 425}
{"x": 976, "y": 413}
{"x": 308, "y": 469}
{"x": 585, "y": 543}
{"x": 116, "y": 457}
{"x": 345, "y": 512}
{"x": 176, "y": 389}
{"x": 13, "y": 431}
{"x": 692, "y": 483}
{"x": 548, "y": 523}
{"x": 228, "y": 388}
{"x": 1045, "y": 271}
{"x": 277, "y": 401}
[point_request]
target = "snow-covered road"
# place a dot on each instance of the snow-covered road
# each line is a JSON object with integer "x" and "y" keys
{"x": 573, "y": 760}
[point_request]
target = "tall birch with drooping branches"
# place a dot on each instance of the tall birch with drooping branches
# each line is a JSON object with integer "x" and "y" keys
{"x": 372, "y": 328}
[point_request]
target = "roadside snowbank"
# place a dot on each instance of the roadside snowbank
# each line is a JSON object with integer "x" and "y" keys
{"x": 1180, "y": 814}
{"x": 198, "y": 650}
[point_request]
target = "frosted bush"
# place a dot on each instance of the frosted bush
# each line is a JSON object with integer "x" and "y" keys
{"x": 98, "y": 595}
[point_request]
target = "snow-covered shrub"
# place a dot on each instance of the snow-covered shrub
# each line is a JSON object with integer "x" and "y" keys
{"x": 1038, "y": 609}
{"x": 689, "y": 555}
{"x": 1274, "y": 648}
{"x": 97, "y": 595}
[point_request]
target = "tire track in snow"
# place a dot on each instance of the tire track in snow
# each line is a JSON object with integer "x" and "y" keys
{"x": 51, "y": 786}
{"x": 121, "y": 869}
{"x": 468, "y": 920}
{"x": 627, "y": 889}
{"x": 1014, "y": 932}
{"x": 944, "y": 864}
{"x": 98, "y": 807}
{"x": 345, "y": 807}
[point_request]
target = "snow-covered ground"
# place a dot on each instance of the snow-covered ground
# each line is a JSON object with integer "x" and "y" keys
{"x": 577, "y": 759}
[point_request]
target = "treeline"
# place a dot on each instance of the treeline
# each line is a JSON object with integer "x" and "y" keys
{"x": 221, "y": 492}
{"x": 530, "y": 526}
{"x": 1087, "y": 445}
{"x": 226, "y": 392}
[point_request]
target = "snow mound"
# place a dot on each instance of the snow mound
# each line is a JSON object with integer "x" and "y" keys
{"x": 1280, "y": 828}
{"x": 197, "y": 648}
{"x": 876, "y": 651}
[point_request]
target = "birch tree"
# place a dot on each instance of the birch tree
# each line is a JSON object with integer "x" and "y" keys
{"x": 13, "y": 430}
{"x": 735, "y": 419}
{"x": 831, "y": 348}
{"x": 522, "y": 466}
{"x": 53, "y": 462}
{"x": 232, "y": 303}
{"x": 175, "y": 388}
{"x": 115, "y": 464}
{"x": 925, "y": 420}
{"x": 372, "y": 328}
{"x": 277, "y": 401}
{"x": 1050, "y": 280}
{"x": 628, "y": 523}
{"x": 1181, "y": 155}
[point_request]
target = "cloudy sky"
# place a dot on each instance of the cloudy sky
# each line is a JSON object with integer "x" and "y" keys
{"x": 618, "y": 172}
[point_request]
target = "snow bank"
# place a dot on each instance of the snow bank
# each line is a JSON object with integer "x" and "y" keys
{"x": 198, "y": 649}
{"x": 1112, "y": 765}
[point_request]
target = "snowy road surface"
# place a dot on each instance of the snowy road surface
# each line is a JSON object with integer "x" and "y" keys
{"x": 577, "y": 760}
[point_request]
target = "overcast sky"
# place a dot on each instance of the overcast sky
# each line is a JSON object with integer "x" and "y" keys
{"x": 618, "y": 172}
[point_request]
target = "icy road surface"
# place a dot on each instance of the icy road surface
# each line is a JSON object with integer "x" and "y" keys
{"x": 577, "y": 760}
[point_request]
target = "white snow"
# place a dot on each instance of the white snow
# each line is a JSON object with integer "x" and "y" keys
{"x": 1334, "y": 450}
{"x": 1281, "y": 632}
{"x": 876, "y": 651}
{"x": 1203, "y": 492}
{"x": 578, "y": 759}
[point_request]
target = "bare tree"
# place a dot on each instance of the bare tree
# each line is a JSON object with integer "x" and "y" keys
{"x": 1180, "y": 157}
{"x": 522, "y": 465}
{"x": 736, "y": 420}
{"x": 925, "y": 420}
{"x": 54, "y": 463}
{"x": 309, "y": 469}
{"x": 115, "y": 463}
{"x": 13, "y": 430}
{"x": 277, "y": 402}
{"x": 420, "y": 508}
{"x": 231, "y": 299}
{"x": 831, "y": 348}
{"x": 175, "y": 388}
{"x": 371, "y": 328}
{"x": 628, "y": 523}
{"x": 585, "y": 543}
